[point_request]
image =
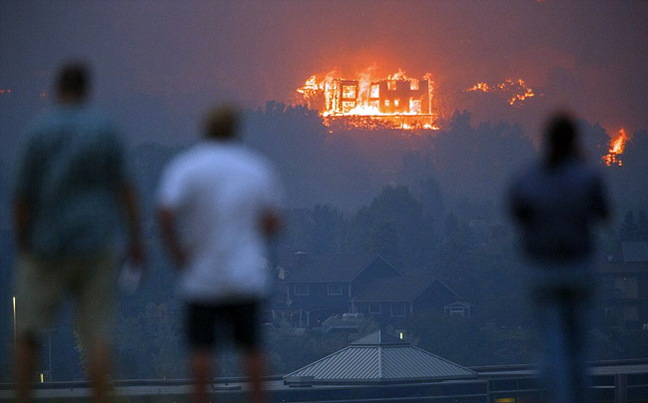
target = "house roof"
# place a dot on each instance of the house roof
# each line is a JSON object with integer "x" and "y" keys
{"x": 379, "y": 358}
{"x": 332, "y": 268}
{"x": 379, "y": 338}
{"x": 397, "y": 289}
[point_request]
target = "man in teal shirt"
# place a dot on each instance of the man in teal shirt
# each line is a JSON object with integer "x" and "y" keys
{"x": 70, "y": 191}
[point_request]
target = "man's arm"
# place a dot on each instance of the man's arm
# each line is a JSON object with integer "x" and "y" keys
{"x": 166, "y": 219}
{"x": 21, "y": 224}
{"x": 270, "y": 223}
{"x": 128, "y": 202}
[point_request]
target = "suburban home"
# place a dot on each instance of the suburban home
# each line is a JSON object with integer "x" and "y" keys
{"x": 320, "y": 287}
{"x": 624, "y": 285}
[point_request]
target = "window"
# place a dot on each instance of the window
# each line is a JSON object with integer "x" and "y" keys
{"x": 375, "y": 91}
{"x": 391, "y": 85}
{"x": 457, "y": 309}
{"x": 397, "y": 102}
{"x": 349, "y": 91}
{"x": 415, "y": 105}
{"x": 374, "y": 307}
{"x": 456, "y": 312}
{"x": 334, "y": 289}
{"x": 414, "y": 84}
{"x": 398, "y": 309}
{"x": 302, "y": 289}
{"x": 347, "y": 106}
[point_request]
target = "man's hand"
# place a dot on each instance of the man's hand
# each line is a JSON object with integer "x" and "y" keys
{"x": 128, "y": 201}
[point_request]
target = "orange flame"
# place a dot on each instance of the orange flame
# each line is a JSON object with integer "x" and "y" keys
{"x": 518, "y": 89}
{"x": 397, "y": 101}
{"x": 617, "y": 146}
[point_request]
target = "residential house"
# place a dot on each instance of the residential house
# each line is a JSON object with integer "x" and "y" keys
{"x": 319, "y": 287}
{"x": 624, "y": 285}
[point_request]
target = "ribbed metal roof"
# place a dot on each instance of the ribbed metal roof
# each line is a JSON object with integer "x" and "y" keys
{"x": 379, "y": 357}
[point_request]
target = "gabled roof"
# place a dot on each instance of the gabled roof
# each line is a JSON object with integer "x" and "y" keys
{"x": 397, "y": 289}
{"x": 333, "y": 268}
{"x": 379, "y": 358}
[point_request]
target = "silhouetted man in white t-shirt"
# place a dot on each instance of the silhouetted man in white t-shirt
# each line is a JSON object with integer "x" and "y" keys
{"x": 218, "y": 202}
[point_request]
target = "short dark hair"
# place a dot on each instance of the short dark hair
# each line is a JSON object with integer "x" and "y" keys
{"x": 222, "y": 123}
{"x": 562, "y": 132}
{"x": 561, "y": 139}
{"x": 73, "y": 79}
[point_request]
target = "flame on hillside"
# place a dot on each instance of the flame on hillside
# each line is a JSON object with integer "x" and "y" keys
{"x": 516, "y": 91}
{"x": 617, "y": 145}
{"x": 366, "y": 101}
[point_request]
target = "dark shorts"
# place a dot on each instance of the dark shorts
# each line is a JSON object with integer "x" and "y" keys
{"x": 208, "y": 325}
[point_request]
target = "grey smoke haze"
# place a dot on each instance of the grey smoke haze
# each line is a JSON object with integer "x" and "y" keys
{"x": 160, "y": 64}
{"x": 183, "y": 55}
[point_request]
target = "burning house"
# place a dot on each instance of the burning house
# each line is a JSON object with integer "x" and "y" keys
{"x": 395, "y": 102}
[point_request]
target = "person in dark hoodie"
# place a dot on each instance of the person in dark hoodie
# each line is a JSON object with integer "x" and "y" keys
{"x": 556, "y": 202}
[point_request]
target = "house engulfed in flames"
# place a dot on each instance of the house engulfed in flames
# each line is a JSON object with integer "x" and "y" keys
{"x": 397, "y": 101}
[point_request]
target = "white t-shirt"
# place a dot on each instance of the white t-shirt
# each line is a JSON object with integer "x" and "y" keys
{"x": 218, "y": 192}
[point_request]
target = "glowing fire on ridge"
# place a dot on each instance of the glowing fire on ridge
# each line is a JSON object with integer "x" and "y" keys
{"x": 518, "y": 89}
{"x": 616, "y": 149}
{"x": 397, "y": 101}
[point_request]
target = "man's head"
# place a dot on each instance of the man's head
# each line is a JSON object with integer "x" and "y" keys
{"x": 222, "y": 123}
{"x": 73, "y": 83}
{"x": 561, "y": 138}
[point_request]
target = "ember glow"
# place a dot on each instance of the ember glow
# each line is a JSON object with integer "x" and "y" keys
{"x": 396, "y": 101}
{"x": 516, "y": 91}
{"x": 617, "y": 145}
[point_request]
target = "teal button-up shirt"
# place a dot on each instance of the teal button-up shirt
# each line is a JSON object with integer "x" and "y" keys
{"x": 68, "y": 174}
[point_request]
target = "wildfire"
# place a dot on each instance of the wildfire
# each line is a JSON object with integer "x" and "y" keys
{"x": 517, "y": 91}
{"x": 395, "y": 101}
{"x": 616, "y": 149}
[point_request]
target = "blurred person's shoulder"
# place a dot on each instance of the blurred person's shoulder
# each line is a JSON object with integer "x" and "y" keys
{"x": 190, "y": 158}
{"x": 584, "y": 172}
{"x": 255, "y": 156}
{"x": 528, "y": 175}
{"x": 50, "y": 119}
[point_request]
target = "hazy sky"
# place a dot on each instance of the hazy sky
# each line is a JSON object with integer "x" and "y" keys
{"x": 181, "y": 55}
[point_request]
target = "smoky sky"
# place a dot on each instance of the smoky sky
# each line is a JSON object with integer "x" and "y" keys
{"x": 182, "y": 55}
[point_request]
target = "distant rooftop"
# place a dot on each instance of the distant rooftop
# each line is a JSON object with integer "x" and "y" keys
{"x": 378, "y": 358}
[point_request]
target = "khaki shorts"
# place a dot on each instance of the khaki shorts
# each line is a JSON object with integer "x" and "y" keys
{"x": 41, "y": 286}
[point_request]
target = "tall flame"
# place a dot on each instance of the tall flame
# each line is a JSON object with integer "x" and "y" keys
{"x": 617, "y": 146}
